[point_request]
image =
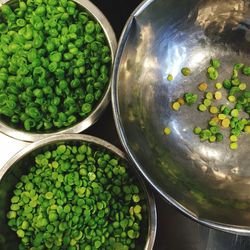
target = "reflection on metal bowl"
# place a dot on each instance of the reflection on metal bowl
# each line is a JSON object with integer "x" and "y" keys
{"x": 207, "y": 181}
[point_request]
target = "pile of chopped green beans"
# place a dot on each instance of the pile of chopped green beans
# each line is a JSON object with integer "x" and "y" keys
{"x": 77, "y": 197}
{"x": 54, "y": 64}
{"x": 234, "y": 114}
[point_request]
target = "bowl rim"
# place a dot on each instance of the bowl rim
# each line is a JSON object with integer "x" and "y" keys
{"x": 241, "y": 230}
{"x": 101, "y": 105}
{"x": 152, "y": 212}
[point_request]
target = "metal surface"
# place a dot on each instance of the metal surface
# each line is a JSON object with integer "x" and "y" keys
{"x": 208, "y": 182}
{"x": 95, "y": 114}
{"x": 21, "y": 162}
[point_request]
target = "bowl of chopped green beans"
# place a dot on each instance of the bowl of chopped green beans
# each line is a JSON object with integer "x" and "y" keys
{"x": 181, "y": 102}
{"x": 74, "y": 192}
{"x": 55, "y": 64}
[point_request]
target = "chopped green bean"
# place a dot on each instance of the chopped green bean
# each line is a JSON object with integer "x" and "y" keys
{"x": 197, "y": 130}
{"x": 190, "y": 98}
{"x": 234, "y": 115}
{"x": 87, "y": 198}
{"x": 47, "y": 49}
{"x": 215, "y": 63}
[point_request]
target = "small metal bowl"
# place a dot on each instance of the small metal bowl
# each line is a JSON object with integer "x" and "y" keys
{"x": 209, "y": 182}
{"x": 100, "y": 106}
{"x": 21, "y": 162}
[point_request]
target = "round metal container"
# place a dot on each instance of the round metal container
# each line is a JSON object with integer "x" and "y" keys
{"x": 100, "y": 106}
{"x": 209, "y": 182}
{"x": 19, "y": 165}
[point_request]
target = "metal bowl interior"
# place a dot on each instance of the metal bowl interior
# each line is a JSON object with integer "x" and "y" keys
{"x": 207, "y": 181}
{"x": 100, "y": 106}
{"x": 22, "y": 161}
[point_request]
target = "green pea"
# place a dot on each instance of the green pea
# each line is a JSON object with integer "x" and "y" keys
{"x": 49, "y": 195}
{"x": 89, "y": 98}
{"x": 246, "y": 70}
{"x": 6, "y": 9}
{"x": 86, "y": 108}
{"x": 103, "y": 78}
{"x": 90, "y": 27}
{"x": 226, "y": 111}
{"x": 77, "y": 73}
{"x": 63, "y": 84}
{"x": 71, "y": 119}
{"x": 3, "y": 76}
{"x": 60, "y": 74}
{"x": 213, "y": 75}
{"x": 38, "y": 42}
{"x": 235, "y": 82}
{"x": 71, "y": 11}
{"x": 75, "y": 83}
{"x": 234, "y": 90}
{"x": 72, "y": 36}
{"x": 28, "y": 81}
{"x": 73, "y": 28}
{"x": 50, "y": 46}
{"x": 100, "y": 38}
{"x": 106, "y": 59}
{"x": 38, "y": 93}
{"x": 55, "y": 57}
{"x": 79, "y": 43}
{"x": 15, "y": 119}
{"x": 53, "y": 67}
{"x": 29, "y": 123}
{"x": 52, "y": 109}
{"x": 205, "y": 134}
{"x": 65, "y": 16}
{"x": 215, "y": 63}
{"x": 11, "y": 104}
{"x": 3, "y": 99}
{"x": 20, "y": 233}
{"x": 22, "y": 6}
{"x": 190, "y": 98}
{"x": 28, "y": 33}
{"x": 227, "y": 84}
{"x": 23, "y": 70}
{"x": 80, "y": 62}
{"x": 20, "y": 22}
{"x": 74, "y": 51}
{"x": 40, "y": 10}
{"x": 68, "y": 56}
{"x": 88, "y": 38}
{"x": 53, "y": 217}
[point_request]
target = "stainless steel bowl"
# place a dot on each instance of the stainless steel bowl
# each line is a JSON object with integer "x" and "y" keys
{"x": 97, "y": 111}
{"x": 206, "y": 181}
{"x": 20, "y": 164}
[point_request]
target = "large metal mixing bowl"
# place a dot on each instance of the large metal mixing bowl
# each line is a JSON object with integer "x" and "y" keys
{"x": 98, "y": 108}
{"x": 207, "y": 181}
{"x": 23, "y": 160}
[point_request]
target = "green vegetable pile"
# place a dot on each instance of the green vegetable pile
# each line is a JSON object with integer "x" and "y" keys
{"x": 54, "y": 64}
{"x": 76, "y": 197}
{"x": 233, "y": 114}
